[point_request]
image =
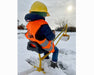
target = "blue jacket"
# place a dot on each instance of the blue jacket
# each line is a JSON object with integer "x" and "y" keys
{"x": 44, "y": 31}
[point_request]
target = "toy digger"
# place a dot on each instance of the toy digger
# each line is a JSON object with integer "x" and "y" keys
{"x": 40, "y": 35}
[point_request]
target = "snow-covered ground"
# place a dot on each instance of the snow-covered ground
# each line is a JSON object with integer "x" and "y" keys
{"x": 67, "y": 55}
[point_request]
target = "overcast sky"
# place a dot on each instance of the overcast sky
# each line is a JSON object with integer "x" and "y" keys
{"x": 56, "y": 8}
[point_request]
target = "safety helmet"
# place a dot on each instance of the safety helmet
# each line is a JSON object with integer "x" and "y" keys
{"x": 39, "y": 7}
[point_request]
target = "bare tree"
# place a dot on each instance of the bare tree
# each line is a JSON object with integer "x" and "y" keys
{"x": 61, "y": 22}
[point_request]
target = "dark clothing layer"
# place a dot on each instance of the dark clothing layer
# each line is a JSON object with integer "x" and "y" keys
{"x": 44, "y": 31}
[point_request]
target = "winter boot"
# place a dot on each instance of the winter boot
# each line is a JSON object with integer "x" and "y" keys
{"x": 54, "y": 64}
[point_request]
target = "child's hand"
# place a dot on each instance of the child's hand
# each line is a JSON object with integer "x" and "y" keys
{"x": 53, "y": 31}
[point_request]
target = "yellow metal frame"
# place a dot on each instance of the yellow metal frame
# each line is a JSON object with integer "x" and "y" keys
{"x": 41, "y": 58}
{"x": 40, "y": 65}
{"x": 40, "y": 68}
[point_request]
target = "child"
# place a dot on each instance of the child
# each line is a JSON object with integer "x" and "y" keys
{"x": 40, "y": 32}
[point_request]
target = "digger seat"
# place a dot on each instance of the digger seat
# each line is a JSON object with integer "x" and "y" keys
{"x": 34, "y": 46}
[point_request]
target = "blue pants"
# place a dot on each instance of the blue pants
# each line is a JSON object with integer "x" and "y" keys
{"x": 55, "y": 55}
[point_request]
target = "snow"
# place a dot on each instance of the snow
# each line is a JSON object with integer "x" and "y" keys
{"x": 51, "y": 72}
{"x": 67, "y": 55}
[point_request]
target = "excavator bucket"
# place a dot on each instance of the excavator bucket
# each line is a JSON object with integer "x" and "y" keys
{"x": 65, "y": 37}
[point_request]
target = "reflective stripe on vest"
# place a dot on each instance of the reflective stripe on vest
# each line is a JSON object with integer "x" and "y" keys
{"x": 32, "y": 28}
{"x": 47, "y": 45}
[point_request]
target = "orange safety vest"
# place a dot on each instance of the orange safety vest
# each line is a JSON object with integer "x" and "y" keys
{"x": 32, "y": 28}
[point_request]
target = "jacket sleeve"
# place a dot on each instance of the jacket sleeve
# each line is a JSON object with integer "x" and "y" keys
{"x": 46, "y": 31}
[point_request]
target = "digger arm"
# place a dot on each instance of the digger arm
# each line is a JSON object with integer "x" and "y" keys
{"x": 65, "y": 27}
